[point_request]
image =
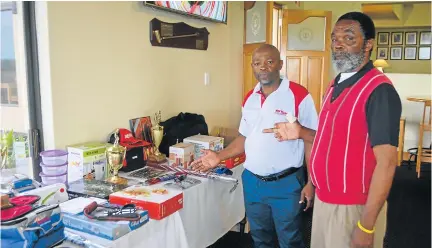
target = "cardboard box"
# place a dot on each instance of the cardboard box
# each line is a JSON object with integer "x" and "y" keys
{"x": 229, "y": 134}
{"x": 87, "y": 160}
{"x": 234, "y": 161}
{"x": 111, "y": 230}
{"x": 181, "y": 154}
{"x": 158, "y": 201}
{"x": 205, "y": 142}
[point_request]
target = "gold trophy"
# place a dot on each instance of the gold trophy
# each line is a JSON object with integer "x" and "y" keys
{"x": 157, "y": 133}
{"x": 115, "y": 156}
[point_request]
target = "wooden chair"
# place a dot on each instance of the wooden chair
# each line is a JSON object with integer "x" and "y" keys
{"x": 424, "y": 154}
{"x": 401, "y": 141}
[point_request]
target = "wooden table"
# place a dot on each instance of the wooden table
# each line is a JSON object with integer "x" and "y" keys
{"x": 424, "y": 98}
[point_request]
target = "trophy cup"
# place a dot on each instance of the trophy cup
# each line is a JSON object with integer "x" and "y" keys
{"x": 115, "y": 156}
{"x": 157, "y": 133}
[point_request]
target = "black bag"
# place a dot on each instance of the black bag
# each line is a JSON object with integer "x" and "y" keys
{"x": 135, "y": 157}
{"x": 179, "y": 127}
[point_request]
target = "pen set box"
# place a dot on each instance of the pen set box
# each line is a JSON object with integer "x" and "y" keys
{"x": 111, "y": 230}
{"x": 158, "y": 201}
{"x": 234, "y": 161}
{"x": 93, "y": 188}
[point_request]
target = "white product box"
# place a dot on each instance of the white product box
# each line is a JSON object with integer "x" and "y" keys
{"x": 205, "y": 142}
{"x": 181, "y": 154}
{"x": 87, "y": 160}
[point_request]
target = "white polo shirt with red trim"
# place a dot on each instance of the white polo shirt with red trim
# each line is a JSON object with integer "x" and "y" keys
{"x": 265, "y": 155}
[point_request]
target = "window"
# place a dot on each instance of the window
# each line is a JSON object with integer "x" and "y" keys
{"x": 19, "y": 93}
{"x": 8, "y": 62}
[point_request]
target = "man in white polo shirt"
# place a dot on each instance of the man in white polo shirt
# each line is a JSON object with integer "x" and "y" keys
{"x": 273, "y": 180}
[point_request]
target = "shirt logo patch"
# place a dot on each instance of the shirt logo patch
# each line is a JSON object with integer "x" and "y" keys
{"x": 280, "y": 112}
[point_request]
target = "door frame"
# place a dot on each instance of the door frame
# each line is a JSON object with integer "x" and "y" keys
{"x": 297, "y": 16}
{"x": 249, "y": 48}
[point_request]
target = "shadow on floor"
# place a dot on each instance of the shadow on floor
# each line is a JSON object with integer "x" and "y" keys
{"x": 408, "y": 217}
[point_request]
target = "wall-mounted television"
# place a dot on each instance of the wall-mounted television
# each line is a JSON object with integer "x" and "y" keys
{"x": 215, "y": 11}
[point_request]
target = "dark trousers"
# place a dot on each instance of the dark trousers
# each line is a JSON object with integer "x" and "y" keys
{"x": 273, "y": 207}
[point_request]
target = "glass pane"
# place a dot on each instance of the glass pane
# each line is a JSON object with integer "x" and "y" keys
{"x": 275, "y": 26}
{"x": 256, "y": 23}
{"x": 14, "y": 115}
{"x": 307, "y": 35}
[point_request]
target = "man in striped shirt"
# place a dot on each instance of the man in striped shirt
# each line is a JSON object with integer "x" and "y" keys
{"x": 354, "y": 152}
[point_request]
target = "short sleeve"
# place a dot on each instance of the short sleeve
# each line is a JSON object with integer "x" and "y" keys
{"x": 308, "y": 116}
{"x": 383, "y": 112}
{"x": 243, "y": 129}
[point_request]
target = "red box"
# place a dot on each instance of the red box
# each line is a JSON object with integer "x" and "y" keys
{"x": 158, "y": 201}
{"x": 234, "y": 161}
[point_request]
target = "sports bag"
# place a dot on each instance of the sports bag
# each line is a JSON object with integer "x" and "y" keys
{"x": 28, "y": 226}
{"x": 179, "y": 127}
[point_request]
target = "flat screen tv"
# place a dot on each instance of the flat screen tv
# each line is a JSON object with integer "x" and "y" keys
{"x": 215, "y": 11}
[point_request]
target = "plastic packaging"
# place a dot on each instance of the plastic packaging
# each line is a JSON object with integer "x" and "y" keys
{"x": 54, "y": 170}
{"x": 49, "y": 179}
{"x": 54, "y": 157}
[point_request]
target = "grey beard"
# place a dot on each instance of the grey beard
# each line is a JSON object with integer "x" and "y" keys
{"x": 349, "y": 63}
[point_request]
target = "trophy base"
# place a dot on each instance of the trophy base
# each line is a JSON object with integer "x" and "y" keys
{"x": 157, "y": 158}
{"x": 117, "y": 180}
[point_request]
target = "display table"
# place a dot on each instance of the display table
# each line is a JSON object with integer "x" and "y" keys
{"x": 208, "y": 213}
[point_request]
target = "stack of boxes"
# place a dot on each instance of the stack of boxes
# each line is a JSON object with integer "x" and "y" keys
{"x": 192, "y": 148}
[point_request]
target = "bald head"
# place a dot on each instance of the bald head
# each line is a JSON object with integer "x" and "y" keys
{"x": 269, "y": 49}
{"x": 266, "y": 64}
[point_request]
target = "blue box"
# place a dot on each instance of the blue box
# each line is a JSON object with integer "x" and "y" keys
{"x": 111, "y": 230}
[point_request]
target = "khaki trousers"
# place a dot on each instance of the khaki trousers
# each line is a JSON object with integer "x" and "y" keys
{"x": 332, "y": 225}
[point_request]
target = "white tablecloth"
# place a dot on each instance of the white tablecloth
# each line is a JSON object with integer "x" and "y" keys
{"x": 208, "y": 213}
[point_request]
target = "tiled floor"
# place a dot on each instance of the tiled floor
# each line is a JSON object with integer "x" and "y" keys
{"x": 408, "y": 220}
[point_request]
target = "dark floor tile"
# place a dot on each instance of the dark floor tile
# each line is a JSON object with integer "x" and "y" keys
{"x": 408, "y": 217}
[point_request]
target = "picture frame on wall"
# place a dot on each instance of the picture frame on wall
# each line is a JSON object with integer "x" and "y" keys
{"x": 425, "y": 38}
{"x": 424, "y": 53}
{"x": 397, "y": 38}
{"x": 382, "y": 53}
{"x": 383, "y": 38}
{"x": 396, "y": 53}
{"x": 410, "y": 38}
{"x": 410, "y": 53}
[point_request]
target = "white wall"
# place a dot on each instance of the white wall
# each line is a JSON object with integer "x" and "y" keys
{"x": 412, "y": 85}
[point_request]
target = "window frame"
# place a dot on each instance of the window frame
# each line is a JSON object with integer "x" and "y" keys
{"x": 27, "y": 70}
{"x": 34, "y": 97}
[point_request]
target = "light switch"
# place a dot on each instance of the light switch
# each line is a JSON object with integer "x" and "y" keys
{"x": 206, "y": 78}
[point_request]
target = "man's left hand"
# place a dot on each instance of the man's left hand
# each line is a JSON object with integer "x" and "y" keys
{"x": 285, "y": 131}
{"x": 361, "y": 239}
{"x": 307, "y": 193}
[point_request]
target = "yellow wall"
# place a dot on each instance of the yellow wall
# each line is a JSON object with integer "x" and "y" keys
{"x": 412, "y": 15}
{"x": 104, "y": 70}
{"x": 403, "y": 66}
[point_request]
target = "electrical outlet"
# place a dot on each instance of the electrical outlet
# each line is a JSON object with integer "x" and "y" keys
{"x": 206, "y": 78}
